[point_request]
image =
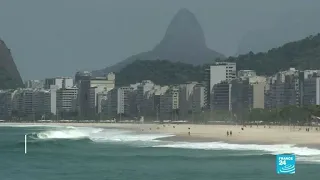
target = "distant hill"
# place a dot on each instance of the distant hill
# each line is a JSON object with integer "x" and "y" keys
{"x": 287, "y": 28}
{"x": 162, "y": 72}
{"x": 9, "y": 74}
{"x": 184, "y": 41}
{"x": 302, "y": 54}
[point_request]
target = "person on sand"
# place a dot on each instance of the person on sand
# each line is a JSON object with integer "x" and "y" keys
{"x": 230, "y": 133}
{"x": 227, "y": 133}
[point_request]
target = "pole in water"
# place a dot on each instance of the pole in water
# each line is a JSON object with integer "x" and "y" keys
{"x": 25, "y": 144}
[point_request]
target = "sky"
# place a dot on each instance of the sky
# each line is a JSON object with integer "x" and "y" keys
{"x": 57, "y": 38}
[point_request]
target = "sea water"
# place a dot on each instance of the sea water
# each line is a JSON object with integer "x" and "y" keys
{"x": 86, "y": 153}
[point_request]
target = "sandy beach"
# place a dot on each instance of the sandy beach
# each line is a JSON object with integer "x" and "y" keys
{"x": 250, "y": 134}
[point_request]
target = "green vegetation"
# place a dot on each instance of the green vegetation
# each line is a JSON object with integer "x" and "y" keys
{"x": 287, "y": 115}
{"x": 162, "y": 72}
{"x": 303, "y": 54}
{"x": 282, "y": 116}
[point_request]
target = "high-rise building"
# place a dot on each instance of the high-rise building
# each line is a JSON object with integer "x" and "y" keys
{"x": 186, "y": 99}
{"x": 65, "y": 99}
{"x": 221, "y": 99}
{"x": 221, "y": 71}
{"x": 169, "y": 103}
{"x": 6, "y": 104}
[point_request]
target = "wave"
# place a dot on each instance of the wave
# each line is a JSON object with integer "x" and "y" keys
{"x": 95, "y": 134}
{"x": 99, "y": 135}
{"x": 275, "y": 149}
{"x": 303, "y": 153}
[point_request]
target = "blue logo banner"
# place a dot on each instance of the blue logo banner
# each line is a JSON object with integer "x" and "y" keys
{"x": 286, "y": 164}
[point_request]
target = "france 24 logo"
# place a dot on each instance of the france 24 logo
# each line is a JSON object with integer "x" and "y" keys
{"x": 286, "y": 164}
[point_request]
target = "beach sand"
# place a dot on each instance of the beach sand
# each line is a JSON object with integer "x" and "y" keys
{"x": 250, "y": 134}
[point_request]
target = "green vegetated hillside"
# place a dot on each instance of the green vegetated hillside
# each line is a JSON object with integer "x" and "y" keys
{"x": 161, "y": 72}
{"x": 303, "y": 54}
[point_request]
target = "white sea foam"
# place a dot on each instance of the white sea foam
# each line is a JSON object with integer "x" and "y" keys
{"x": 274, "y": 149}
{"x": 115, "y": 135}
{"x": 302, "y": 153}
{"x": 97, "y": 134}
{"x": 68, "y": 133}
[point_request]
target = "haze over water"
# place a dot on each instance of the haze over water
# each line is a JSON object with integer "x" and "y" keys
{"x": 93, "y": 153}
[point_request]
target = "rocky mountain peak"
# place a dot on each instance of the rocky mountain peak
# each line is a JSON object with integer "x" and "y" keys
{"x": 9, "y": 74}
{"x": 184, "y": 32}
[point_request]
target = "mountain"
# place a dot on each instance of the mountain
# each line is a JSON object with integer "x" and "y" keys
{"x": 161, "y": 72}
{"x": 9, "y": 74}
{"x": 184, "y": 41}
{"x": 290, "y": 27}
{"x": 302, "y": 54}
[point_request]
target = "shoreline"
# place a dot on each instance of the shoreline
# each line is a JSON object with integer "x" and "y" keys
{"x": 267, "y": 135}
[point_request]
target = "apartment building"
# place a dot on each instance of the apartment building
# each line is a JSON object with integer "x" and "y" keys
{"x": 186, "y": 99}
{"x": 5, "y": 103}
{"x": 119, "y": 101}
{"x": 124, "y": 102}
{"x": 221, "y": 71}
{"x": 169, "y": 103}
{"x": 65, "y": 99}
{"x": 145, "y": 91}
{"x": 311, "y": 91}
{"x": 221, "y": 98}
{"x": 198, "y": 98}
{"x": 283, "y": 89}
{"x": 31, "y": 102}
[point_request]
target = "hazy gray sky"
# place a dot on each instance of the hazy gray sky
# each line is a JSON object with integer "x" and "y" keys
{"x": 58, "y": 37}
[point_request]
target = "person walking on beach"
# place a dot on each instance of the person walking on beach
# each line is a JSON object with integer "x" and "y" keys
{"x": 230, "y": 133}
{"x": 227, "y": 133}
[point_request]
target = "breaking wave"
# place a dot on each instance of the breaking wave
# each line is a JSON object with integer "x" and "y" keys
{"x": 95, "y": 134}
{"x": 303, "y": 153}
{"x": 100, "y": 135}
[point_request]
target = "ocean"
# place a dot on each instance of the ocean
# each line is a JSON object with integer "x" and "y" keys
{"x": 85, "y": 153}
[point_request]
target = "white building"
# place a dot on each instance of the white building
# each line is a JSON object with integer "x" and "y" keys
{"x": 222, "y": 71}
